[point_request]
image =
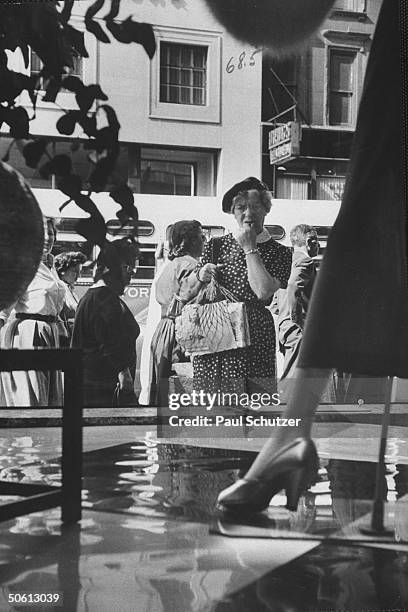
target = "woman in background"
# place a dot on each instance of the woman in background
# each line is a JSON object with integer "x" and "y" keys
{"x": 68, "y": 267}
{"x": 105, "y": 328}
{"x": 174, "y": 286}
{"x": 153, "y": 318}
{"x": 33, "y": 322}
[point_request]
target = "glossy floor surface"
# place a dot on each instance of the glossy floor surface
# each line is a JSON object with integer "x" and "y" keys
{"x": 151, "y": 539}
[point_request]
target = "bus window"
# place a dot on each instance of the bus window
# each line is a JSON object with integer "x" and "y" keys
{"x": 146, "y": 265}
{"x": 144, "y": 228}
{"x": 210, "y": 231}
{"x": 62, "y": 246}
{"x": 66, "y": 246}
{"x": 69, "y": 240}
{"x": 213, "y": 231}
{"x": 277, "y": 232}
{"x": 323, "y": 231}
{"x": 67, "y": 225}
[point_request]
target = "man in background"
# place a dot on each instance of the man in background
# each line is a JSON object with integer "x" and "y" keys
{"x": 293, "y": 302}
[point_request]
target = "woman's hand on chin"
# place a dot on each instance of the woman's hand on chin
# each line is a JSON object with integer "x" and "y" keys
{"x": 246, "y": 237}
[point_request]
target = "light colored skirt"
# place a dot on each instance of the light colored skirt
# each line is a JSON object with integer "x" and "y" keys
{"x": 146, "y": 360}
{"x": 32, "y": 387}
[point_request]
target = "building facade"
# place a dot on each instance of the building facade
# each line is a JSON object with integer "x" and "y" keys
{"x": 318, "y": 90}
{"x": 189, "y": 117}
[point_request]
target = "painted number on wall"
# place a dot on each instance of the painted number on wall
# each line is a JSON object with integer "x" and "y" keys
{"x": 243, "y": 60}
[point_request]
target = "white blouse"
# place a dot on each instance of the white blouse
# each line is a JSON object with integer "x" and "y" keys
{"x": 45, "y": 295}
{"x": 71, "y": 301}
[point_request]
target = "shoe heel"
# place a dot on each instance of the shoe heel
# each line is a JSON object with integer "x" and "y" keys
{"x": 297, "y": 483}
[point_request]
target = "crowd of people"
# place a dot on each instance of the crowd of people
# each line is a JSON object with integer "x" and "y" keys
{"x": 257, "y": 271}
{"x": 248, "y": 263}
{"x": 49, "y": 314}
{"x": 346, "y": 328}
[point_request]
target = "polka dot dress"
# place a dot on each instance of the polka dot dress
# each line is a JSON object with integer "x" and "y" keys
{"x": 251, "y": 369}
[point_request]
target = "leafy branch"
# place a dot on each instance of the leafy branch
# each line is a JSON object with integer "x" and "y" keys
{"x": 44, "y": 28}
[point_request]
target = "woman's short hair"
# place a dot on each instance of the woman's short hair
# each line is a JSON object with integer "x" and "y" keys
{"x": 183, "y": 235}
{"x": 65, "y": 261}
{"x": 114, "y": 255}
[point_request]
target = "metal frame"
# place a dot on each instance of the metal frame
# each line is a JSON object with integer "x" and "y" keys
{"x": 42, "y": 497}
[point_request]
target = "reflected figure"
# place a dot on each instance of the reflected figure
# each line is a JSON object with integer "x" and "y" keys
{"x": 352, "y": 485}
{"x": 196, "y": 475}
{"x": 335, "y": 578}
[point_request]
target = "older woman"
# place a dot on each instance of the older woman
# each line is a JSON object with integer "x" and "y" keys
{"x": 174, "y": 285}
{"x": 106, "y": 329}
{"x": 68, "y": 267}
{"x": 252, "y": 266}
{"x": 33, "y": 321}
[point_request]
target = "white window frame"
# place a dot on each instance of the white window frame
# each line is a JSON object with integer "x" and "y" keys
{"x": 211, "y": 111}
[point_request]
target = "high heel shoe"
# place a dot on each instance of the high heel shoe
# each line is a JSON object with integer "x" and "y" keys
{"x": 292, "y": 468}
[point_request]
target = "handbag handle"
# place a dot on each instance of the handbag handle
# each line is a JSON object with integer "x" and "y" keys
{"x": 175, "y": 306}
{"x": 208, "y": 292}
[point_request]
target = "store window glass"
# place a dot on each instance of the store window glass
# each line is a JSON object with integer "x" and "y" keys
{"x": 167, "y": 177}
{"x": 330, "y": 187}
{"x": 292, "y": 187}
{"x": 351, "y": 6}
{"x": 280, "y": 88}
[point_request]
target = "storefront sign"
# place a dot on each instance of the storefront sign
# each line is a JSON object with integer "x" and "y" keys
{"x": 284, "y": 142}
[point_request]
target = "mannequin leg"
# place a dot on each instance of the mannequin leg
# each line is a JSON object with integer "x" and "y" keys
{"x": 308, "y": 386}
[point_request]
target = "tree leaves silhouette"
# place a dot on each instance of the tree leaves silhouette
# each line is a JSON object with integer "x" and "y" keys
{"x": 45, "y": 29}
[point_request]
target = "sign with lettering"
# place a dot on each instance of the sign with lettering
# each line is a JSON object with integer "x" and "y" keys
{"x": 284, "y": 142}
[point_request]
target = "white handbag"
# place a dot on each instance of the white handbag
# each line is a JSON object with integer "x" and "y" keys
{"x": 215, "y": 326}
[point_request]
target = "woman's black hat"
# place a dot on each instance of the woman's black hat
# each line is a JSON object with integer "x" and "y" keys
{"x": 249, "y": 183}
